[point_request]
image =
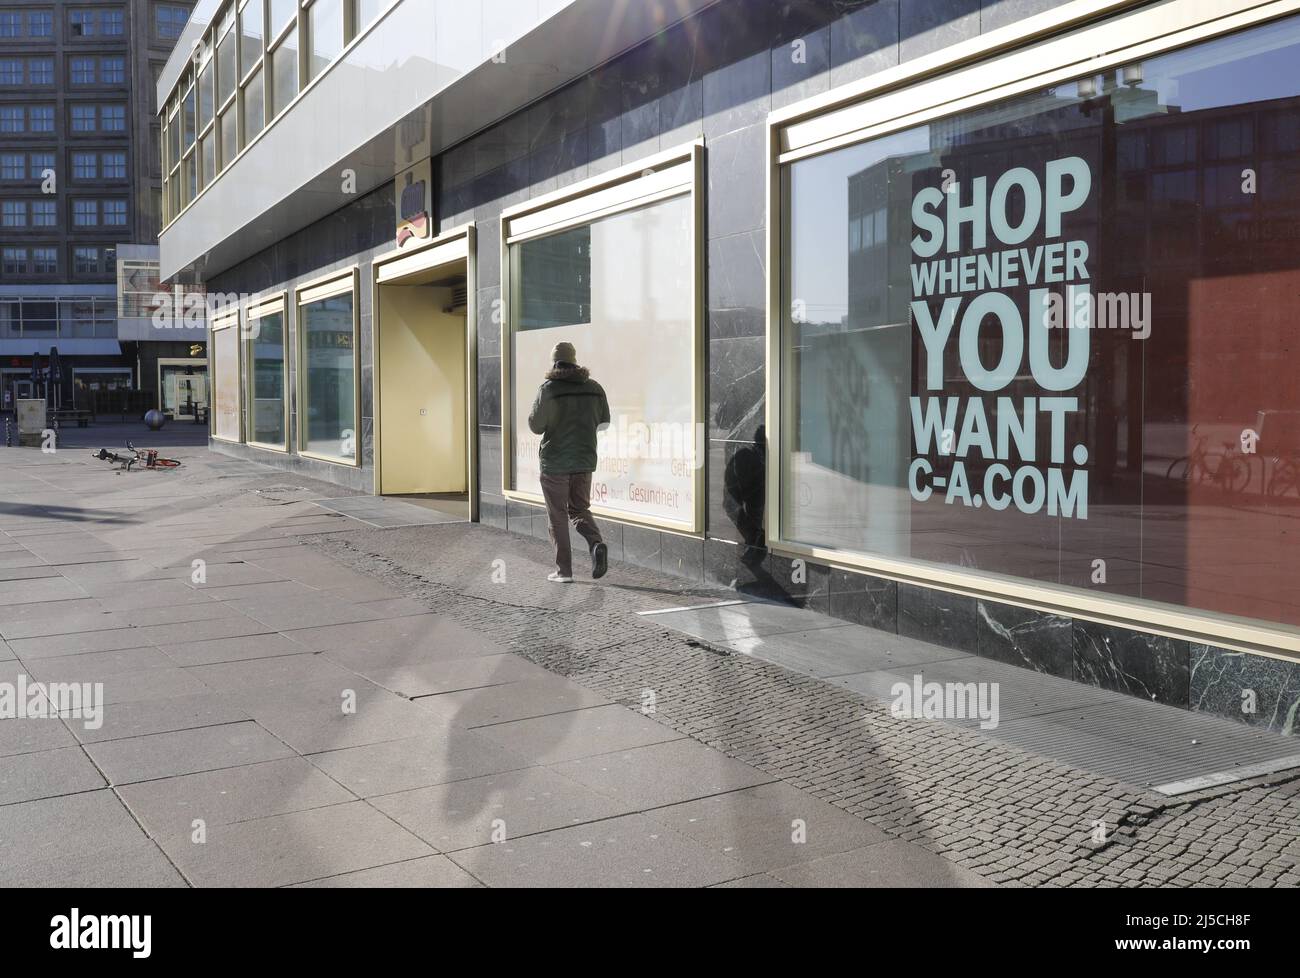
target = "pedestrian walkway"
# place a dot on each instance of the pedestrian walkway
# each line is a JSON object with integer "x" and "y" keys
{"x": 274, "y": 717}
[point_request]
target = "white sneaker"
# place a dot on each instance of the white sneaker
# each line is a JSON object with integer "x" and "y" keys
{"x": 558, "y": 578}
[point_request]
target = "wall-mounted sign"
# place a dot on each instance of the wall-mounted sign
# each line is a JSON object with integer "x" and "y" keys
{"x": 413, "y": 194}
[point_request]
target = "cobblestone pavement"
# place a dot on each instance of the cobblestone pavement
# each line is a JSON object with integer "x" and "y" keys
{"x": 225, "y": 759}
{"x": 1009, "y": 815}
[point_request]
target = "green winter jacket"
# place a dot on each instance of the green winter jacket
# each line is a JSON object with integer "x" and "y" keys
{"x": 569, "y": 409}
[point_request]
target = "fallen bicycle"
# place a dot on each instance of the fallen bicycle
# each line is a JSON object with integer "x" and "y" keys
{"x": 149, "y": 457}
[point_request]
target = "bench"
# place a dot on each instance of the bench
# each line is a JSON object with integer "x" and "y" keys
{"x": 64, "y": 415}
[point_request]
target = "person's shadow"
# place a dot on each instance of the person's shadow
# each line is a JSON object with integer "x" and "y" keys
{"x": 744, "y": 493}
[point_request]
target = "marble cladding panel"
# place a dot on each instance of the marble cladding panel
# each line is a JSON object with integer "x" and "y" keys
{"x": 1025, "y": 637}
{"x": 1253, "y": 689}
{"x": 937, "y": 616}
{"x": 1152, "y": 667}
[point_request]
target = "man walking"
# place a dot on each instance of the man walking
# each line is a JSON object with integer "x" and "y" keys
{"x": 569, "y": 409}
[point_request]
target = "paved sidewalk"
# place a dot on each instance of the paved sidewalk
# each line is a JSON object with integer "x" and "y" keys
{"x": 505, "y": 731}
{"x": 275, "y": 717}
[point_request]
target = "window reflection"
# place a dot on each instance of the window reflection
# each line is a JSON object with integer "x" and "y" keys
{"x": 1187, "y": 440}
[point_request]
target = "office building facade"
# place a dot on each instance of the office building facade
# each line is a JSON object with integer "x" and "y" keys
{"x": 80, "y": 176}
{"x": 963, "y": 320}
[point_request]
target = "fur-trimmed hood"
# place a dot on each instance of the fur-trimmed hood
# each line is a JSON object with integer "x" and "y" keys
{"x": 568, "y": 371}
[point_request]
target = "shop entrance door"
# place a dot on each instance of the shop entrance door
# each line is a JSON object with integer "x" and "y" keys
{"x": 423, "y": 382}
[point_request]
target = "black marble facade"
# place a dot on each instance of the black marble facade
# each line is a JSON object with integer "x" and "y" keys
{"x": 717, "y": 77}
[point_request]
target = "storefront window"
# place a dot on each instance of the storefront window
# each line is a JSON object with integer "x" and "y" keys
{"x": 329, "y": 377}
{"x": 266, "y": 379}
{"x": 1052, "y": 337}
{"x": 621, "y": 289}
{"x": 183, "y": 389}
{"x": 225, "y": 365}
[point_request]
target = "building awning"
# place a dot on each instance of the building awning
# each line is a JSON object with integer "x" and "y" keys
{"x": 66, "y": 348}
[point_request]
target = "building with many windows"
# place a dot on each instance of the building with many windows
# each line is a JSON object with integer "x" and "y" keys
{"x": 969, "y": 320}
{"x": 80, "y": 177}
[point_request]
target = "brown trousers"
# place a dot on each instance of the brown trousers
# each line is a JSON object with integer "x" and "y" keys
{"x": 568, "y": 499}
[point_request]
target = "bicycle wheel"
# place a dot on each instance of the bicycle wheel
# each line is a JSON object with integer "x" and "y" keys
{"x": 1177, "y": 469}
{"x": 166, "y": 463}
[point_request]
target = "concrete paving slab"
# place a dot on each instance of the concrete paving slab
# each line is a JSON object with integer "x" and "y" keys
{"x": 141, "y": 864}
{"x": 140, "y": 718}
{"x": 123, "y": 596}
{"x": 78, "y": 643}
{"x": 197, "y": 631}
{"x": 75, "y": 828}
{"x": 269, "y": 591}
{"x": 313, "y": 732}
{"x": 91, "y": 667}
{"x": 179, "y": 614}
{"x": 389, "y": 608}
{"x": 46, "y": 611}
{"x": 427, "y": 872}
{"x": 218, "y": 650}
{"x": 277, "y": 670}
{"x": 294, "y": 848}
{"x": 169, "y": 806}
{"x": 98, "y": 621}
{"x": 160, "y": 683}
{"x": 582, "y": 733}
{"x": 662, "y": 774}
{"x": 312, "y": 611}
{"x": 428, "y": 678}
{"x": 622, "y": 852}
{"x": 178, "y": 752}
{"x": 313, "y": 570}
{"x": 27, "y": 777}
{"x": 435, "y": 757}
{"x": 30, "y": 573}
{"x": 769, "y": 826}
{"x": 759, "y": 881}
{"x": 402, "y": 640}
{"x": 40, "y": 591}
{"x": 894, "y": 863}
{"x": 465, "y": 814}
{"x": 512, "y": 701}
{"x": 30, "y": 735}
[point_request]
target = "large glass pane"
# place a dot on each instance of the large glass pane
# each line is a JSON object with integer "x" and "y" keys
{"x": 254, "y": 107}
{"x": 1053, "y": 337}
{"x": 329, "y": 378}
{"x": 205, "y": 94}
{"x": 209, "y": 149}
{"x": 282, "y": 11}
{"x": 325, "y": 33}
{"x": 284, "y": 74}
{"x": 621, "y": 291}
{"x": 250, "y": 29}
{"x": 226, "y": 69}
{"x": 188, "y": 112}
{"x": 229, "y": 137}
{"x": 266, "y": 380}
{"x": 225, "y": 366}
{"x": 366, "y": 12}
